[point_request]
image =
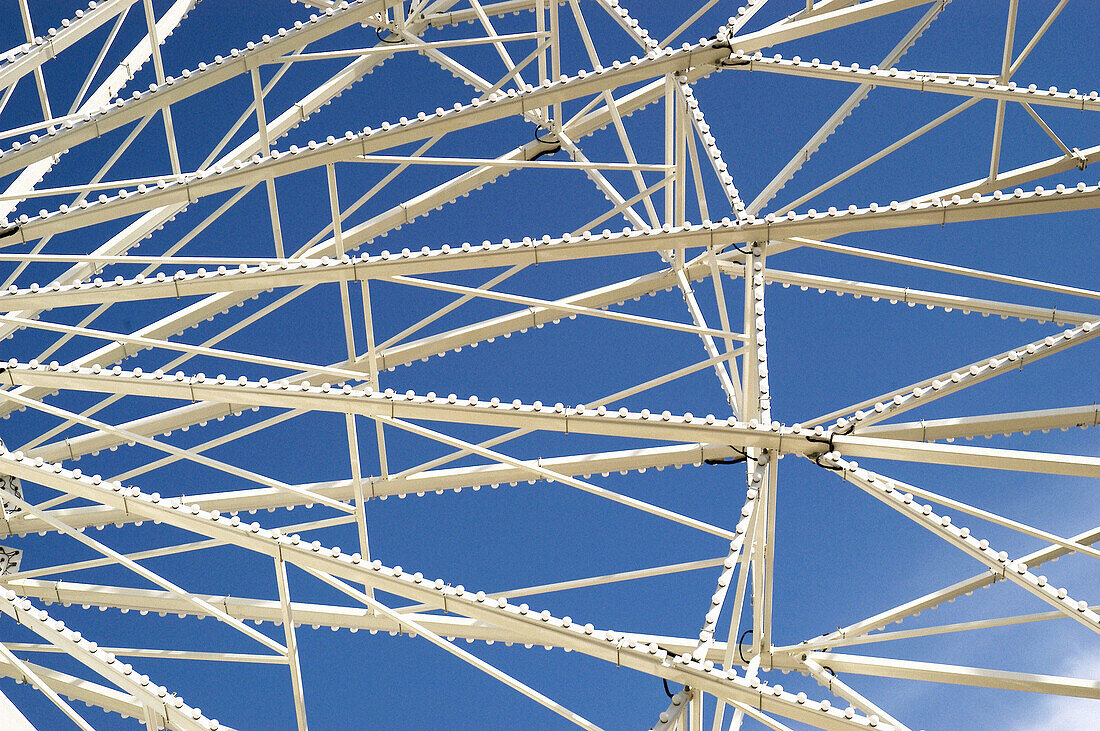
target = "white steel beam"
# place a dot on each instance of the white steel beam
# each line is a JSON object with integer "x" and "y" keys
{"x": 361, "y": 618}
{"x": 963, "y": 456}
{"x": 934, "y": 599}
{"x": 296, "y": 683}
{"x": 1017, "y": 572}
{"x": 930, "y": 389}
{"x": 380, "y": 224}
{"x": 882, "y": 153}
{"x": 604, "y": 645}
{"x": 669, "y": 719}
{"x": 842, "y": 690}
{"x": 102, "y": 118}
{"x": 789, "y": 30}
{"x": 78, "y": 689}
{"x": 173, "y": 450}
{"x": 492, "y": 671}
{"x": 531, "y": 251}
{"x": 34, "y": 680}
{"x": 1006, "y": 63}
{"x": 953, "y": 84}
{"x": 178, "y": 714}
{"x": 686, "y": 428}
{"x": 504, "y": 7}
{"x": 996, "y": 519}
{"x": 958, "y": 675}
{"x": 843, "y": 111}
{"x": 33, "y": 173}
{"x": 269, "y": 611}
{"x": 388, "y": 357}
{"x": 186, "y": 399}
{"x": 281, "y": 394}
{"x": 25, "y": 59}
{"x": 398, "y": 47}
{"x": 178, "y": 191}
{"x": 171, "y": 550}
{"x": 1018, "y": 176}
{"x": 909, "y": 261}
{"x": 949, "y": 628}
{"x": 737, "y": 546}
{"x": 581, "y": 485}
{"x": 911, "y": 296}
{"x": 151, "y": 221}
{"x": 146, "y": 574}
{"x": 415, "y": 484}
{"x": 564, "y": 308}
{"x": 965, "y": 427}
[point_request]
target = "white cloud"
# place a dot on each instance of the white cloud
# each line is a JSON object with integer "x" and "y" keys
{"x": 1055, "y": 713}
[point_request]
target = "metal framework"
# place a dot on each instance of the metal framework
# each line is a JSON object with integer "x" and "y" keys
{"x": 80, "y": 381}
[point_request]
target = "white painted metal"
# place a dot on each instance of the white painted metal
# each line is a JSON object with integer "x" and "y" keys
{"x": 342, "y": 251}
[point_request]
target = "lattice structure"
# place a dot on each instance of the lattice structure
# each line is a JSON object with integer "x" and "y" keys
{"x": 98, "y": 367}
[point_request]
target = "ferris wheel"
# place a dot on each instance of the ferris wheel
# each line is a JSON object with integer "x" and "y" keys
{"x": 236, "y": 246}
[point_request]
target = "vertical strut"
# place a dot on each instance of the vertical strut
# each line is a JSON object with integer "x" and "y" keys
{"x": 1006, "y": 63}
{"x": 158, "y": 66}
{"x": 265, "y": 141}
{"x": 291, "y": 643}
{"x": 349, "y": 337}
{"x": 555, "y": 59}
{"x": 540, "y": 27}
{"x": 372, "y": 361}
{"x": 670, "y": 146}
{"x": 680, "y": 157}
{"x": 39, "y": 79}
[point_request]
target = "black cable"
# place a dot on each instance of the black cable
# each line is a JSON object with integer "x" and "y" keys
{"x": 378, "y": 32}
{"x": 729, "y": 38}
{"x": 724, "y": 462}
{"x": 725, "y": 62}
{"x": 744, "y": 456}
{"x": 540, "y": 153}
{"x": 833, "y": 467}
{"x": 829, "y": 441}
{"x": 727, "y": 247}
{"x": 741, "y": 644}
{"x": 667, "y": 691}
{"x": 545, "y": 140}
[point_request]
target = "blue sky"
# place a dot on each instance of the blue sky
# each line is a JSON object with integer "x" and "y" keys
{"x": 840, "y": 555}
